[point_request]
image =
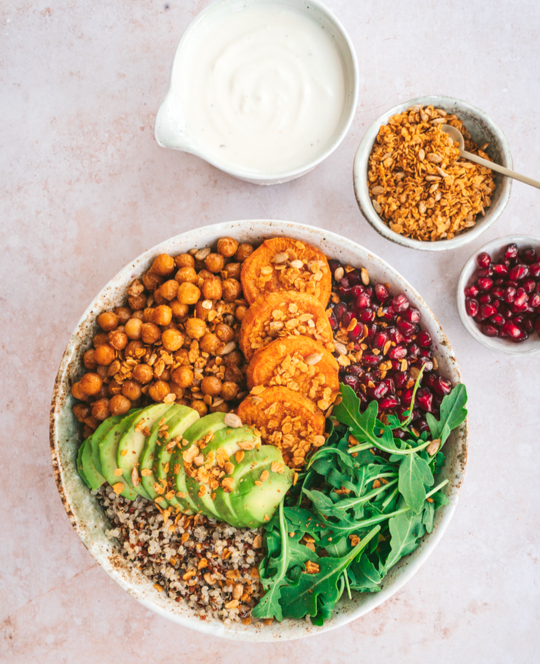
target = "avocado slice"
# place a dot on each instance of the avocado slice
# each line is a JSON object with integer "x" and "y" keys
{"x": 178, "y": 419}
{"x": 253, "y": 460}
{"x": 133, "y": 440}
{"x": 79, "y": 461}
{"x": 207, "y": 424}
{"x": 228, "y": 440}
{"x": 254, "y": 504}
{"x": 108, "y": 449}
{"x": 92, "y": 471}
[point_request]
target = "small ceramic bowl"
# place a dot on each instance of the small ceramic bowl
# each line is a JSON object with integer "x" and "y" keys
{"x": 467, "y": 278}
{"x": 482, "y": 129}
{"x": 172, "y": 132}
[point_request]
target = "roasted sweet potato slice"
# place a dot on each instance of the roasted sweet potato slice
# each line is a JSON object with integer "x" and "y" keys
{"x": 286, "y": 264}
{"x": 286, "y": 419}
{"x": 284, "y": 314}
{"x": 299, "y": 363}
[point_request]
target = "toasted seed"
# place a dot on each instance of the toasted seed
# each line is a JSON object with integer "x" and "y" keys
{"x": 232, "y": 420}
{"x": 203, "y": 253}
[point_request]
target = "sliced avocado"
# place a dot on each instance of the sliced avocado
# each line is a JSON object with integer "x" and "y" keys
{"x": 92, "y": 471}
{"x": 255, "y": 504}
{"x": 227, "y": 439}
{"x": 178, "y": 419}
{"x": 254, "y": 459}
{"x": 207, "y": 424}
{"x": 108, "y": 449}
{"x": 79, "y": 461}
{"x": 132, "y": 442}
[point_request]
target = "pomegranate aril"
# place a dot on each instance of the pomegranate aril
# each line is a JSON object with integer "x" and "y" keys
{"x": 534, "y": 270}
{"x": 519, "y": 272}
{"x": 340, "y": 309}
{"x": 381, "y": 292}
{"x": 407, "y": 328}
{"x": 401, "y": 380}
{"x": 395, "y": 334}
{"x": 535, "y": 301}
{"x": 333, "y": 264}
{"x": 485, "y": 298}
{"x": 406, "y": 397}
{"x": 472, "y": 291}
{"x": 428, "y": 379}
{"x": 355, "y": 332}
{"x": 379, "y": 391}
{"x": 484, "y": 273}
{"x": 389, "y": 314}
{"x": 529, "y": 285}
{"x": 414, "y": 351}
{"x": 363, "y": 301}
{"x": 529, "y": 256}
{"x": 333, "y": 321}
{"x": 412, "y": 315}
{"x": 471, "y": 306}
{"x": 512, "y": 330}
{"x": 500, "y": 269}
{"x": 389, "y": 382}
{"x": 497, "y": 320}
{"x": 442, "y": 386}
{"x": 351, "y": 381}
{"x": 400, "y": 303}
{"x": 371, "y": 360}
{"x": 397, "y": 353}
{"x": 346, "y": 318}
{"x": 490, "y": 330}
{"x": 424, "y": 399}
{"x": 366, "y": 315}
{"x": 498, "y": 292}
{"x": 511, "y": 252}
{"x": 388, "y": 402}
{"x": 354, "y": 277}
{"x": 487, "y": 310}
{"x": 528, "y": 325}
{"x": 357, "y": 290}
{"x": 510, "y": 294}
{"x": 424, "y": 339}
{"x": 421, "y": 426}
{"x": 344, "y": 290}
{"x": 483, "y": 259}
{"x": 380, "y": 340}
{"x": 485, "y": 284}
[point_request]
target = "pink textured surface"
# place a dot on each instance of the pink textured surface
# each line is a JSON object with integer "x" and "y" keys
{"x": 85, "y": 189}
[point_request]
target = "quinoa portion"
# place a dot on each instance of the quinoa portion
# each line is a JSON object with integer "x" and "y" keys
{"x": 208, "y": 564}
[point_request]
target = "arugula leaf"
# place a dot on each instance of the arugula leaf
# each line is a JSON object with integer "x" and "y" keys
{"x": 302, "y": 599}
{"x": 406, "y": 529}
{"x": 365, "y": 576}
{"x": 414, "y": 475}
{"x": 453, "y": 413}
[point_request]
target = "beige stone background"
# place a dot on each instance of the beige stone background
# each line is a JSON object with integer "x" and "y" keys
{"x": 85, "y": 189}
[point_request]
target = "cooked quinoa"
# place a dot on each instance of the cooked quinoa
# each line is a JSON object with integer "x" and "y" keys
{"x": 209, "y": 565}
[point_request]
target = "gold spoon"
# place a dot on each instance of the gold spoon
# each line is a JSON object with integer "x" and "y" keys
{"x": 456, "y": 136}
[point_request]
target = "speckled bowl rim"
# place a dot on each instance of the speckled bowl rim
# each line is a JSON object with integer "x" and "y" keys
{"x": 87, "y": 517}
{"x": 529, "y": 347}
{"x": 361, "y": 190}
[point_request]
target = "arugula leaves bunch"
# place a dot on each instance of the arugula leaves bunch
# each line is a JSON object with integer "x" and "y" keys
{"x": 356, "y": 509}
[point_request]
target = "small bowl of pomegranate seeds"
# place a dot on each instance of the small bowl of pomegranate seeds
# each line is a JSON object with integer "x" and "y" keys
{"x": 499, "y": 295}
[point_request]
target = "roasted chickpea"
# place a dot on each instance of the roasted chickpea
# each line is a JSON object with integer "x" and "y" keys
{"x": 132, "y": 348}
{"x": 100, "y": 409}
{"x": 133, "y": 328}
{"x": 233, "y": 374}
{"x": 81, "y": 411}
{"x": 186, "y": 275}
{"x": 169, "y": 289}
{"x": 124, "y": 314}
{"x": 143, "y": 373}
{"x": 100, "y": 339}
{"x": 131, "y": 389}
{"x": 210, "y": 343}
{"x": 183, "y": 376}
{"x": 184, "y": 260}
{"x": 203, "y": 309}
{"x": 227, "y": 246}
{"x": 162, "y": 315}
{"x": 107, "y": 321}
{"x": 214, "y": 262}
{"x": 231, "y": 290}
{"x": 163, "y": 265}
{"x": 240, "y": 312}
{"x": 195, "y": 328}
{"x": 223, "y": 407}
{"x": 211, "y": 386}
{"x": 199, "y": 406}
{"x": 89, "y": 359}
{"x": 165, "y": 375}
{"x": 179, "y": 310}
{"x": 188, "y": 293}
{"x": 119, "y": 405}
{"x": 77, "y": 392}
{"x": 224, "y": 332}
{"x": 150, "y": 333}
{"x": 151, "y": 280}
{"x": 90, "y": 384}
{"x": 232, "y": 271}
{"x": 87, "y": 431}
{"x": 176, "y": 390}
{"x": 91, "y": 422}
{"x": 159, "y": 390}
{"x": 104, "y": 354}
{"x": 118, "y": 340}
{"x": 229, "y": 390}
{"x": 138, "y": 315}
{"x": 137, "y": 302}
{"x": 159, "y": 299}
{"x": 211, "y": 289}
{"x": 243, "y": 251}
{"x": 205, "y": 274}
{"x": 182, "y": 356}
{"x": 113, "y": 388}
{"x": 148, "y": 315}
{"x": 172, "y": 340}
{"x": 102, "y": 370}
{"x": 233, "y": 359}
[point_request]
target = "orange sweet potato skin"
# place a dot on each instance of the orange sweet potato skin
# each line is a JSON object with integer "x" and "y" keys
{"x": 283, "y": 314}
{"x": 286, "y": 264}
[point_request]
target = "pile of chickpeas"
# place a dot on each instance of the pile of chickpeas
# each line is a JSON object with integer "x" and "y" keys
{"x": 175, "y": 342}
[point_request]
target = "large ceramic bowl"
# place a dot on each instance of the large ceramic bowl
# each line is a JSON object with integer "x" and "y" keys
{"x": 482, "y": 129}
{"x": 88, "y": 518}
{"x": 467, "y": 278}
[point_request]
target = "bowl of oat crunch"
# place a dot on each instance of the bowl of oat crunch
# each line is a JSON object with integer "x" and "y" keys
{"x": 411, "y": 184}
{"x": 197, "y": 390}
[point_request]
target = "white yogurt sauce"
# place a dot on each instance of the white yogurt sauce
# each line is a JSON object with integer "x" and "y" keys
{"x": 262, "y": 89}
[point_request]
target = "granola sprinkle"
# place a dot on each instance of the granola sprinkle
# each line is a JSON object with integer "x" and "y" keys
{"x": 200, "y": 561}
{"x": 417, "y": 181}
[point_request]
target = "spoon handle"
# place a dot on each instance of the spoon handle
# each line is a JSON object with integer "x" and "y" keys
{"x": 500, "y": 169}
